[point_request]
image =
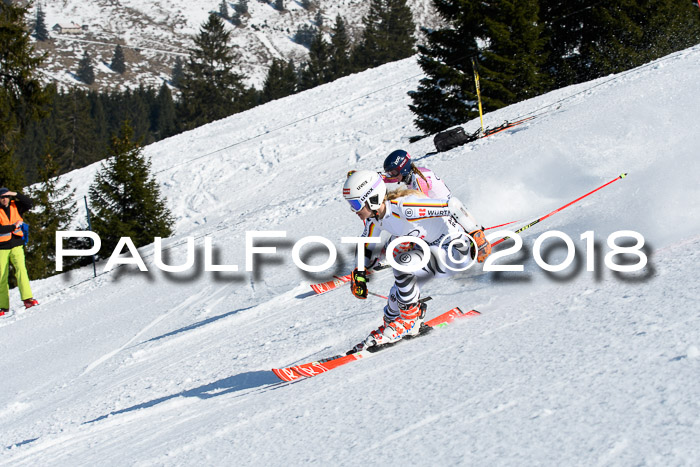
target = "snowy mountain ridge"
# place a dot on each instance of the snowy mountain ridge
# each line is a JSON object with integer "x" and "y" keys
{"x": 154, "y": 33}
{"x": 577, "y": 367}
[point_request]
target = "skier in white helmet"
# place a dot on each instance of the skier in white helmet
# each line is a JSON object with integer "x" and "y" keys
{"x": 438, "y": 222}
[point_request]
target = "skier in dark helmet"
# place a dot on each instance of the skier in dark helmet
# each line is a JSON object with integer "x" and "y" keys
{"x": 399, "y": 169}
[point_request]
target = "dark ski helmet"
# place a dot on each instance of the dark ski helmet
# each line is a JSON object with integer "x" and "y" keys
{"x": 397, "y": 164}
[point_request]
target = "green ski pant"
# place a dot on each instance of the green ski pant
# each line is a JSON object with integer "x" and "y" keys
{"x": 16, "y": 255}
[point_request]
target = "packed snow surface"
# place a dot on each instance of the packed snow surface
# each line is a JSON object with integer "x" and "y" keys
{"x": 576, "y": 367}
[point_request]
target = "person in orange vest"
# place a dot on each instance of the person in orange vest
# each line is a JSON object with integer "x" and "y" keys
{"x": 12, "y": 248}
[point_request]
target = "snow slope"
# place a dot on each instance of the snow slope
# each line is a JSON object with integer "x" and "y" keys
{"x": 567, "y": 368}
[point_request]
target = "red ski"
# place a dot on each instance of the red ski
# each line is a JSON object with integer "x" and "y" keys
{"x": 307, "y": 370}
{"x": 507, "y": 125}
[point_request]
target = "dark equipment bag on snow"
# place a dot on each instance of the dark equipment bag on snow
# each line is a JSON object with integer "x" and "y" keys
{"x": 448, "y": 139}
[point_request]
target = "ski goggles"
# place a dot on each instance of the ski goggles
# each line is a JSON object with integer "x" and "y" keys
{"x": 356, "y": 204}
{"x": 394, "y": 173}
{"x": 392, "y": 178}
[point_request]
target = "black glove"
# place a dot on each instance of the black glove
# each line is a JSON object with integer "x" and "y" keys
{"x": 358, "y": 284}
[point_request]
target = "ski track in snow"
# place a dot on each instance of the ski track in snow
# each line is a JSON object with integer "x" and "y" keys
{"x": 190, "y": 301}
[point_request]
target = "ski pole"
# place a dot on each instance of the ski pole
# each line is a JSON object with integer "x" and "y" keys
{"x": 559, "y": 209}
{"x": 500, "y": 225}
{"x": 475, "y": 67}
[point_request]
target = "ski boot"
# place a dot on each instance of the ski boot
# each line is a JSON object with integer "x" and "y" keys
{"x": 412, "y": 316}
{"x": 408, "y": 324}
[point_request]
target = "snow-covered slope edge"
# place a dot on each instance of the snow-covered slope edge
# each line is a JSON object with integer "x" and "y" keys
{"x": 575, "y": 367}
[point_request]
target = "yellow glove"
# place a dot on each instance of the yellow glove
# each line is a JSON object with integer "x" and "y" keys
{"x": 358, "y": 284}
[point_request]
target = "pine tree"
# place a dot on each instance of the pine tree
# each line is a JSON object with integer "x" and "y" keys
{"x": 512, "y": 64}
{"x": 97, "y": 113}
{"x": 339, "y": 50}
{"x": 177, "y": 73}
{"x": 563, "y": 32}
{"x": 132, "y": 105}
{"x": 387, "y": 35}
{"x": 79, "y": 123}
{"x": 40, "y": 31}
{"x": 674, "y": 26}
{"x": 223, "y": 10}
{"x": 447, "y": 95}
{"x": 39, "y": 133}
{"x": 165, "y": 123}
{"x": 588, "y": 41}
{"x": 74, "y": 131}
{"x": 242, "y": 7}
{"x": 75, "y": 143}
{"x": 22, "y": 97}
{"x": 118, "y": 64}
{"x": 54, "y": 210}
{"x": 86, "y": 72}
{"x": 125, "y": 199}
{"x": 401, "y": 29}
{"x": 211, "y": 89}
{"x": 281, "y": 80}
{"x": 365, "y": 54}
{"x": 305, "y": 35}
{"x": 317, "y": 69}
{"x": 139, "y": 114}
{"x": 511, "y": 61}
{"x": 29, "y": 149}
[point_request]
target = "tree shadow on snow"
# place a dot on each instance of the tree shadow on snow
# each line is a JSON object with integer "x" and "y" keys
{"x": 240, "y": 382}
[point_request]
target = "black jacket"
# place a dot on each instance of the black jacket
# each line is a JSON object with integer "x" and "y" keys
{"x": 23, "y": 204}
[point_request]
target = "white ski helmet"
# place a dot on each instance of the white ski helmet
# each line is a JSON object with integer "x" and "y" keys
{"x": 364, "y": 186}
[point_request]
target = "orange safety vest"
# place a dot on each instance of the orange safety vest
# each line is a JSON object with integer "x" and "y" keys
{"x": 14, "y": 218}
